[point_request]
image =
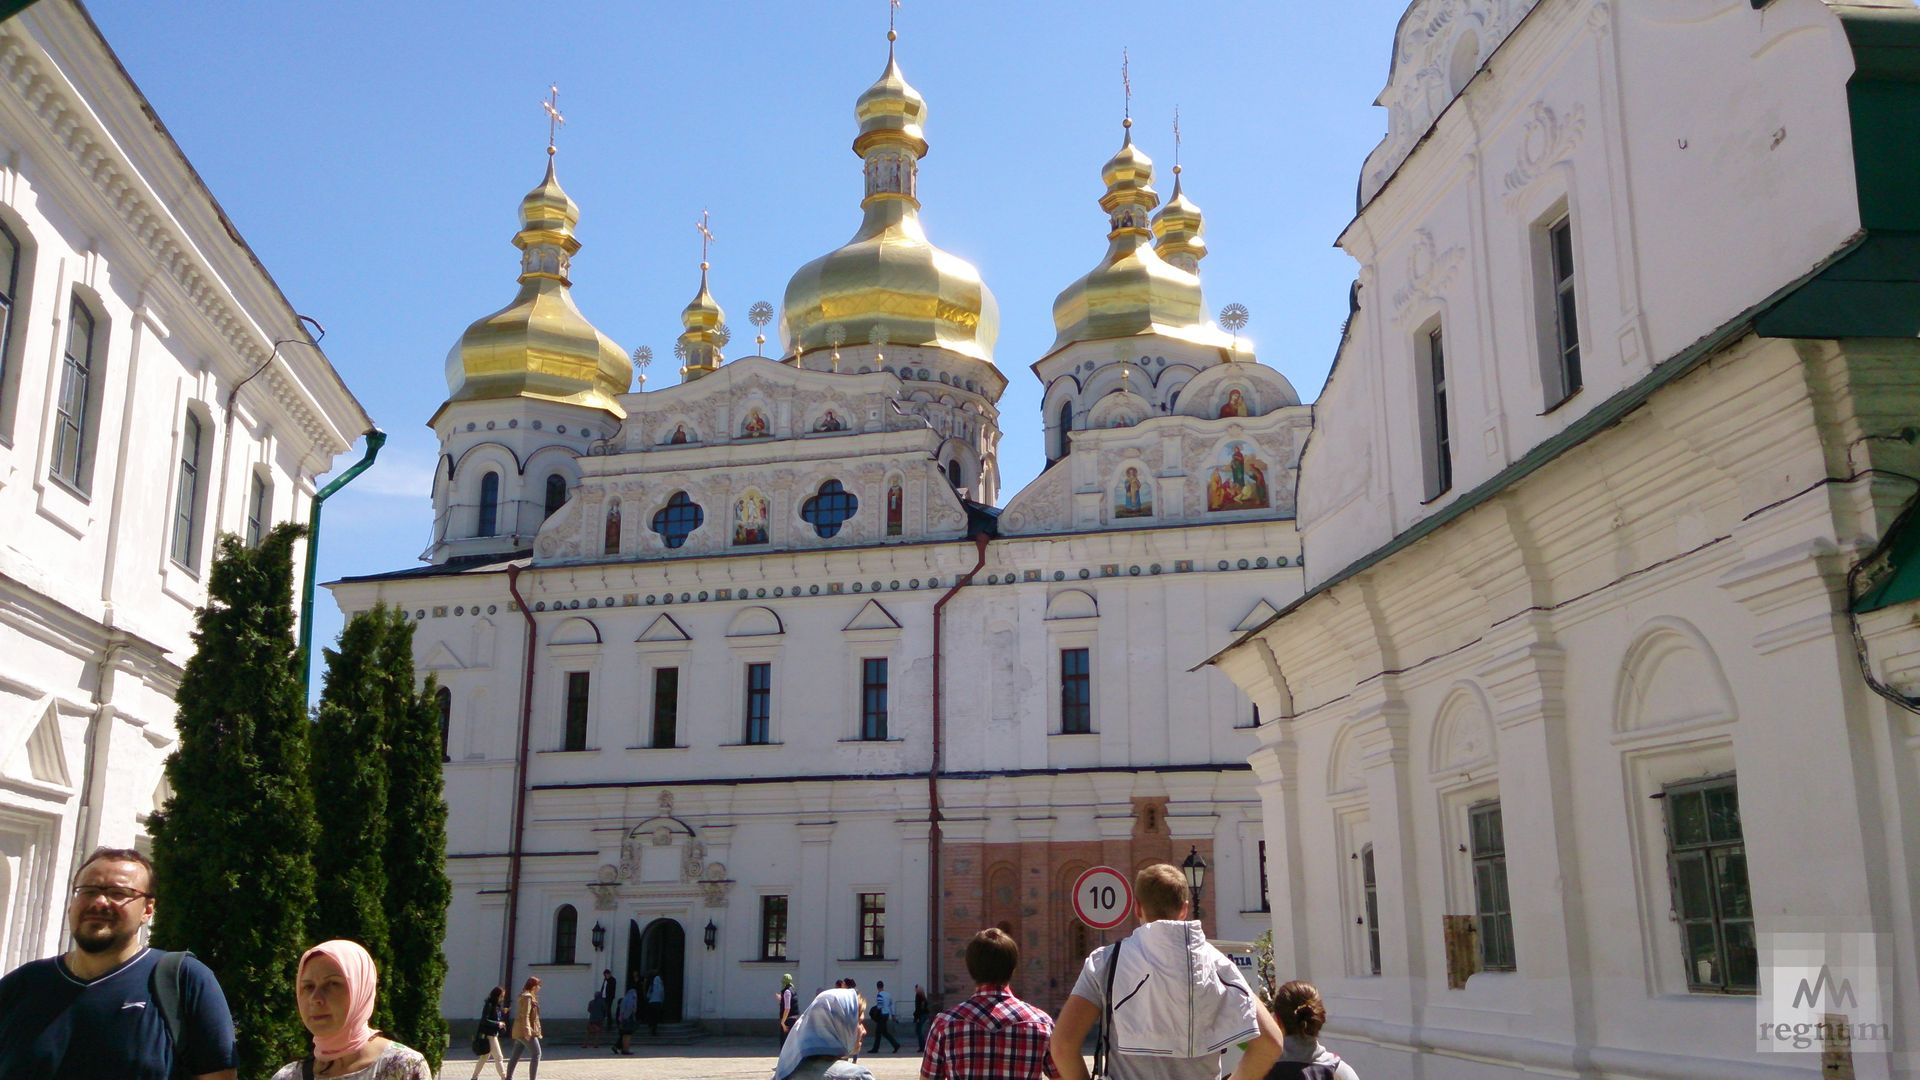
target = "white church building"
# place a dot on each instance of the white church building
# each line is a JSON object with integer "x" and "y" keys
{"x": 750, "y": 675}
{"x": 156, "y": 390}
{"x": 1601, "y": 698}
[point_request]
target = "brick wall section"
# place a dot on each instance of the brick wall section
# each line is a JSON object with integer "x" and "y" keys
{"x": 1025, "y": 889}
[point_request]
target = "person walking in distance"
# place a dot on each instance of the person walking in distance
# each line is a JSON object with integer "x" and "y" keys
{"x": 526, "y": 1029}
{"x": 992, "y": 1035}
{"x": 785, "y": 996}
{"x": 1297, "y": 1006}
{"x": 609, "y": 990}
{"x": 493, "y": 1024}
{"x": 922, "y": 1009}
{"x": 109, "y": 1006}
{"x": 656, "y": 1002}
{"x": 1171, "y": 1002}
{"x": 335, "y": 992}
{"x": 882, "y": 1019}
{"x": 628, "y": 1018}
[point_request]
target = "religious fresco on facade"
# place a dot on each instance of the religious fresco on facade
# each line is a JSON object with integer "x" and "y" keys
{"x": 830, "y": 422}
{"x": 1235, "y": 405}
{"x": 611, "y": 539}
{"x": 895, "y": 508}
{"x": 755, "y": 425}
{"x": 679, "y": 435}
{"x": 1132, "y": 495}
{"x": 1238, "y": 480}
{"x": 750, "y": 518}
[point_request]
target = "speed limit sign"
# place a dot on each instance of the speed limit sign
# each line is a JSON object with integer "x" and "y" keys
{"x": 1103, "y": 898}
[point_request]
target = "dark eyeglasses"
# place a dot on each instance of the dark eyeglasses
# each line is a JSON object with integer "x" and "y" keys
{"x": 113, "y": 894}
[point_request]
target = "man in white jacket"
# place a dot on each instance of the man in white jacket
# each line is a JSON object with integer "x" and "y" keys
{"x": 1177, "y": 1001}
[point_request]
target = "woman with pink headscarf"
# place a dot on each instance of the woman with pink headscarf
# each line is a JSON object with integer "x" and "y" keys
{"x": 335, "y": 991}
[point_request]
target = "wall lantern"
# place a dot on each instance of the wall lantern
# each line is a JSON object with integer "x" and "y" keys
{"x": 710, "y": 934}
{"x": 599, "y": 937}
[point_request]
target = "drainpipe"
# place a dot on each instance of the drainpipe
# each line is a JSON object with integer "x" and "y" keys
{"x": 933, "y": 773}
{"x": 519, "y": 777}
{"x": 375, "y": 440}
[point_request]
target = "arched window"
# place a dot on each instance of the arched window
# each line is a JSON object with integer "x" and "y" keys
{"x": 443, "y": 703}
{"x": 678, "y": 519}
{"x": 73, "y": 419}
{"x": 186, "y": 499}
{"x": 489, "y": 505}
{"x": 611, "y": 543}
{"x": 566, "y": 927}
{"x": 556, "y": 493}
{"x": 953, "y": 472}
{"x": 829, "y": 509}
{"x": 1066, "y": 428}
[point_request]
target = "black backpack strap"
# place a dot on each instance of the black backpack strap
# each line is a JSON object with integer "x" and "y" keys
{"x": 306, "y": 1068}
{"x": 166, "y": 994}
{"x": 1104, "y": 1042}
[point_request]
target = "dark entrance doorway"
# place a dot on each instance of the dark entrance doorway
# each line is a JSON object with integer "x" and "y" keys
{"x": 662, "y": 948}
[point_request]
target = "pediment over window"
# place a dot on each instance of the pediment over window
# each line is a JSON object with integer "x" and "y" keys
{"x": 576, "y": 631}
{"x": 755, "y": 622}
{"x": 665, "y": 628}
{"x": 42, "y": 757}
{"x": 1256, "y": 618}
{"x": 441, "y": 658}
{"x": 1072, "y": 604}
{"x": 874, "y": 616}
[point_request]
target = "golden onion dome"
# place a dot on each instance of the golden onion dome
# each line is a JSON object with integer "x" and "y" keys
{"x": 889, "y": 283}
{"x": 1133, "y": 291}
{"x": 700, "y": 340}
{"x": 540, "y": 346}
{"x": 1177, "y": 230}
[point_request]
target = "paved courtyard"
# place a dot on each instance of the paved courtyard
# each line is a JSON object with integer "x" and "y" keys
{"x": 709, "y": 1059}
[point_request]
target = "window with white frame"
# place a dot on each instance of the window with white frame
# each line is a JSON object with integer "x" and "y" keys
{"x": 9, "y": 290}
{"x": 773, "y": 927}
{"x": 73, "y": 410}
{"x": 1492, "y": 908}
{"x": 1370, "y": 908}
{"x": 489, "y": 520}
{"x": 186, "y": 496}
{"x": 566, "y": 933}
{"x": 759, "y": 704}
{"x": 573, "y": 734}
{"x": 1558, "y": 308}
{"x": 259, "y": 508}
{"x": 873, "y": 926}
{"x": 1707, "y": 867}
{"x": 873, "y": 699}
{"x": 666, "y": 708}
{"x": 1435, "y": 426}
{"x": 1076, "y": 691}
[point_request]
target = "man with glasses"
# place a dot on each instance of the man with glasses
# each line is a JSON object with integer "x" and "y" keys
{"x": 101, "y": 1009}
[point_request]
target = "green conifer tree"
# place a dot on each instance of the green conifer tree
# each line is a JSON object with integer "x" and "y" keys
{"x": 232, "y": 872}
{"x": 416, "y": 850}
{"x": 350, "y": 759}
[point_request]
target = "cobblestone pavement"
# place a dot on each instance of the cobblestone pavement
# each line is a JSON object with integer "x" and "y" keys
{"x": 708, "y": 1059}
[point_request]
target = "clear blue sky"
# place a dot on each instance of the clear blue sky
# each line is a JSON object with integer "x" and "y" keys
{"x": 374, "y": 156}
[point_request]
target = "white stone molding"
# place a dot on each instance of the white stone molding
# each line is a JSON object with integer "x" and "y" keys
{"x": 1429, "y": 273}
{"x": 1547, "y": 138}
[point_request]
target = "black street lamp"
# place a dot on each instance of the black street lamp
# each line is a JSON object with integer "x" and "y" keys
{"x": 599, "y": 937}
{"x": 710, "y": 935}
{"x": 1196, "y": 871}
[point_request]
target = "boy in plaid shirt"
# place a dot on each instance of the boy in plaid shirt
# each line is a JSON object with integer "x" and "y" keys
{"x": 992, "y": 1035}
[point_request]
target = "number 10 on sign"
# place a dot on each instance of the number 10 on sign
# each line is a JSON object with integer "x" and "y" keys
{"x": 1102, "y": 898}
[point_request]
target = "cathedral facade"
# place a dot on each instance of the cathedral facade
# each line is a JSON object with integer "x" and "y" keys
{"x": 755, "y": 674}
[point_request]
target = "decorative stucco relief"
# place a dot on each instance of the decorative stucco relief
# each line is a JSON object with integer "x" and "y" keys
{"x": 1547, "y": 139}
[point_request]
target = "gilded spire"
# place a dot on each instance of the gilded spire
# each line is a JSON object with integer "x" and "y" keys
{"x": 702, "y": 339}
{"x": 889, "y": 278}
{"x": 540, "y": 346}
{"x": 1177, "y": 228}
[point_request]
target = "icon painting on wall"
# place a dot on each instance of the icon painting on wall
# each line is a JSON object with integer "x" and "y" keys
{"x": 1236, "y": 404}
{"x": 750, "y": 518}
{"x": 830, "y": 422}
{"x": 1238, "y": 480}
{"x": 1132, "y": 495}
{"x": 755, "y": 425}
{"x": 895, "y": 501}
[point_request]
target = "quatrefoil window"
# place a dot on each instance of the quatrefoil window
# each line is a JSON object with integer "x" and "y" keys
{"x": 677, "y": 520}
{"x": 829, "y": 509}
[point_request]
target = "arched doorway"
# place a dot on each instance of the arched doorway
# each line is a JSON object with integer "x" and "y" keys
{"x": 661, "y": 947}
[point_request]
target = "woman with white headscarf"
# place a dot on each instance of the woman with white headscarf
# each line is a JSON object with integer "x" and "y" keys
{"x": 829, "y": 1030}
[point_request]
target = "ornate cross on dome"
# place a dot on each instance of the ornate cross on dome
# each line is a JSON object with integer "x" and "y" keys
{"x": 555, "y": 121}
{"x": 1176, "y": 140}
{"x": 892, "y": 6}
{"x": 706, "y": 237}
{"x": 1126, "y": 88}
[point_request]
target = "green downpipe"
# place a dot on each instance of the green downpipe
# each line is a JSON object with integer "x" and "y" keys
{"x": 375, "y": 440}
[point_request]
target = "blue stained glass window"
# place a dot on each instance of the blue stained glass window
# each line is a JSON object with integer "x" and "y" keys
{"x": 829, "y": 509}
{"x": 678, "y": 519}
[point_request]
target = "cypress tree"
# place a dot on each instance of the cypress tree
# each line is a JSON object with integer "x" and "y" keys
{"x": 233, "y": 876}
{"x": 350, "y": 794}
{"x": 416, "y": 850}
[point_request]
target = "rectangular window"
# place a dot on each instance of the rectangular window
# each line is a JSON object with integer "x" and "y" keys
{"x": 575, "y": 736}
{"x": 759, "y": 704}
{"x": 873, "y": 699}
{"x": 873, "y": 925}
{"x": 71, "y": 411}
{"x": 1438, "y": 459}
{"x": 9, "y": 287}
{"x": 1076, "y": 693}
{"x": 773, "y": 928}
{"x": 259, "y": 509}
{"x": 1707, "y": 863}
{"x": 1565, "y": 361}
{"x": 1491, "y": 905}
{"x": 1371, "y": 895}
{"x": 1265, "y": 904}
{"x": 186, "y": 499}
{"x": 666, "y": 706}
